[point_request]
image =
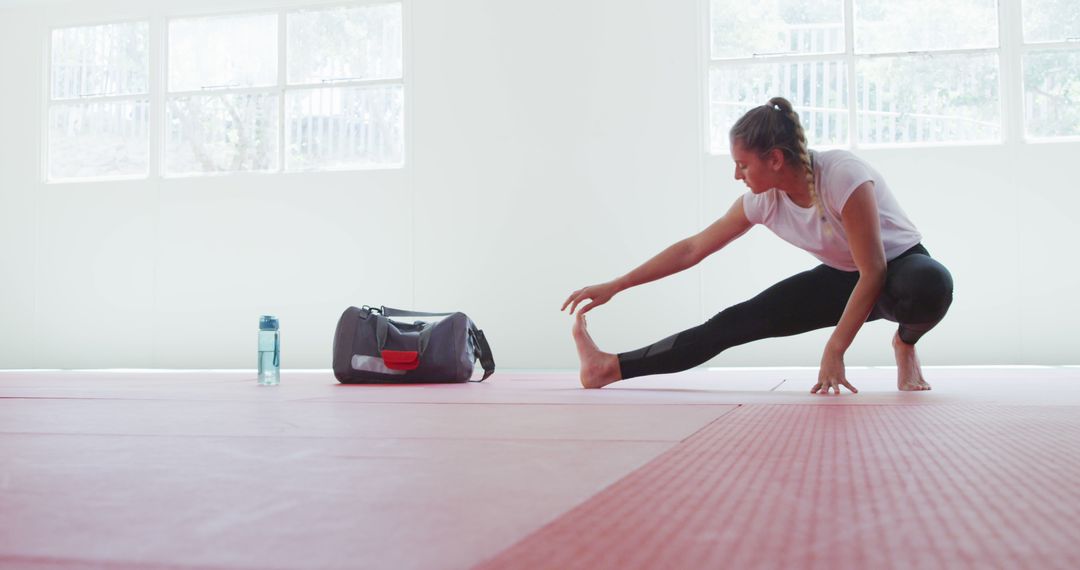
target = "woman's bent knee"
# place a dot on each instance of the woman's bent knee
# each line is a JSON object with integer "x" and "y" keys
{"x": 923, "y": 292}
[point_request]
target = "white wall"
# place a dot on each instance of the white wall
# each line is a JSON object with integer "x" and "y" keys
{"x": 551, "y": 145}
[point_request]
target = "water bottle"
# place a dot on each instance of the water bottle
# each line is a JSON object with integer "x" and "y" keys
{"x": 269, "y": 351}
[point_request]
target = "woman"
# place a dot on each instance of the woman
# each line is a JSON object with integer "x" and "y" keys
{"x": 831, "y": 204}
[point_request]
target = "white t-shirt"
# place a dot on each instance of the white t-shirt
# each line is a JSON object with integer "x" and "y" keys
{"x": 837, "y": 173}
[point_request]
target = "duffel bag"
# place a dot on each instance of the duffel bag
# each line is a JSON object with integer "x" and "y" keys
{"x": 380, "y": 345}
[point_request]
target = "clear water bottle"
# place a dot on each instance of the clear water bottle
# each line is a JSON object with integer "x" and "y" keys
{"x": 269, "y": 351}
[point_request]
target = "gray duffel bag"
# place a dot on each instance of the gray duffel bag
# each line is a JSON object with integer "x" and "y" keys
{"x": 376, "y": 345}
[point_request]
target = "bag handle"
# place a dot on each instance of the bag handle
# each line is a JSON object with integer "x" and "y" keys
{"x": 382, "y": 325}
{"x": 382, "y": 329}
{"x": 487, "y": 360}
{"x": 392, "y": 312}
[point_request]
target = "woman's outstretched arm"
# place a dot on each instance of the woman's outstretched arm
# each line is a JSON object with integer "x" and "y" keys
{"x": 677, "y": 257}
{"x": 862, "y": 226}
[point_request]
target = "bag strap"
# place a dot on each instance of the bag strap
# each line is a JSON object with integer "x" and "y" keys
{"x": 486, "y": 359}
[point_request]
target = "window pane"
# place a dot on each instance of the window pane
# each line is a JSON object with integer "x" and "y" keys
{"x": 741, "y": 29}
{"x": 912, "y": 99}
{"x": 916, "y": 25}
{"x": 1051, "y": 20}
{"x": 345, "y": 43}
{"x": 213, "y": 53}
{"x": 222, "y": 133}
{"x": 91, "y": 140}
{"x": 100, "y": 60}
{"x": 345, "y": 127}
{"x": 1052, "y": 93}
{"x": 818, "y": 90}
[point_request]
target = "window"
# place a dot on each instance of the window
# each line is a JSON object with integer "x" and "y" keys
{"x": 99, "y": 102}
{"x": 290, "y": 90}
{"x": 927, "y": 98}
{"x": 926, "y": 75}
{"x": 1051, "y": 68}
{"x": 345, "y": 101}
{"x": 222, "y": 106}
{"x": 338, "y": 105}
{"x": 896, "y": 73}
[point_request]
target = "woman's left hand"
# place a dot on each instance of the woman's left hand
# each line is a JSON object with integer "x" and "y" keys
{"x": 832, "y": 374}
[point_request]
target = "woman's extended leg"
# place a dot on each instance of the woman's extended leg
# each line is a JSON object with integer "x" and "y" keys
{"x": 810, "y": 300}
{"x": 917, "y": 294}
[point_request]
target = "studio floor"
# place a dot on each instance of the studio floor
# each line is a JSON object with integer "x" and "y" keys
{"x": 728, "y": 468}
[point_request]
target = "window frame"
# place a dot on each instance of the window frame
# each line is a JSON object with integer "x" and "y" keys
{"x": 167, "y": 94}
{"x": 338, "y": 84}
{"x": 1022, "y": 50}
{"x": 1011, "y": 49}
{"x": 50, "y": 102}
{"x": 158, "y": 89}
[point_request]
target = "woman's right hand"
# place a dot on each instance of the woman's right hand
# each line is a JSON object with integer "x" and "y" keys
{"x": 597, "y": 294}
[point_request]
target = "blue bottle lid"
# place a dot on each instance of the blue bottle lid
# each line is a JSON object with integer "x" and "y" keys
{"x": 268, "y": 323}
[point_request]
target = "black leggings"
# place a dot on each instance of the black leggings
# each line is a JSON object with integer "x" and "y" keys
{"x": 917, "y": 294}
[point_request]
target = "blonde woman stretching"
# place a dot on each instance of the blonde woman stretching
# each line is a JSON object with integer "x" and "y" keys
{"x": 831, "y": 204}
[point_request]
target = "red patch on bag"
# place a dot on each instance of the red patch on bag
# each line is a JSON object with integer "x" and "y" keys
{"x": 401, "y": 359}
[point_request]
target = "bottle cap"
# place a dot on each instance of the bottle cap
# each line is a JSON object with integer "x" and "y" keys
{"x": 268, "y": 323}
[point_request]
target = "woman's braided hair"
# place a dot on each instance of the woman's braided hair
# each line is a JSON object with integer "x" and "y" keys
{"x": 776, "y": 125}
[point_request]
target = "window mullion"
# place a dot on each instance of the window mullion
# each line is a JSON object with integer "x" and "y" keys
{"x": 849, "y": 55}
{"x": 792, "y": 58}
{"x": 930, "y": 52}
{"x": 47, "y": 89}
{"x": 351, "y": 83}
{"x": 103, "y": 99}
{"x": 1010, "y": 71}
{"x": 232, "y": 91}
{"x": 164, "y": 95}
{"x": 157, "y": 84}
{"x": 1065, "y": 45}
{"x": 283, "y": 53}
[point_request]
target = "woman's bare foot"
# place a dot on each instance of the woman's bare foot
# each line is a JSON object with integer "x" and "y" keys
{"x": 598, "y": 369}
{"x": 909, "y": 376}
